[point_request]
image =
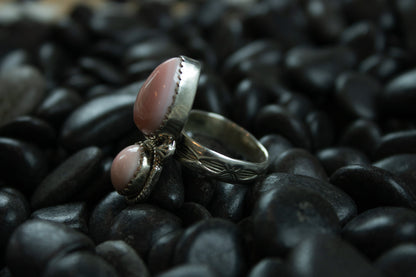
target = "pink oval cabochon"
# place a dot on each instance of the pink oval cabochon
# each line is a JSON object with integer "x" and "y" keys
{"x": 124, "y": 166}
{"x": 156, "y": 96}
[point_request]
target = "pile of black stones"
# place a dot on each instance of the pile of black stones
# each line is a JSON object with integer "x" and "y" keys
{"x": 328, "y": 86}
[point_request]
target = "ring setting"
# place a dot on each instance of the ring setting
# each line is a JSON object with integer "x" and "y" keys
{"x": 162, "y": 112}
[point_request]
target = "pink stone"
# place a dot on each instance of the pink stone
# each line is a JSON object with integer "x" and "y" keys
{"x": 124, "y": 166}
{"x": 156, "y": 96}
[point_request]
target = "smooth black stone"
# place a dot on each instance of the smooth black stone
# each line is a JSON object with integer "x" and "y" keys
{"x": 21, "y": 164}
{"x": 14, "y": 210}
{"x": 103, "y": 215}
{"x": 30, "y": 129}
{"x": 213, "y": 95}
{"x": 251, "y": 60}
{"x": 382, "y": 67}
{"x": 90, "y": 123}
{"x": 399, "y": 97}
{"x": 228, "y": 201}
{"x": 68, "y": 179}
{"x": 80, "y": 82}
{"x": 5, "y": 272}
{"x": 273, "y": 119}
{"x": 275, "y": 145}
{"x": 15, "y": 58}
{"x": 198, "y": 189}
{"x": 378, "y": 230}
{"x": 36, "y": 242}
{"x": 160, "y": 256}
{"x": 342, "y": 204}
{"x": 402, "y": 165}
{"x": 249, "y": 98}
{"x": 216, "y": 243}
{"x": 328, "y": 255}
{"x": 141, "y": 225}
{"x": 363, "y": 135}
{"x": 73, "y": 215}
{"x": 284, "y": 217}
{"x": 337, "y": 157}
{"x": 405, "y": 12}
{"x": 169, "y": 191}
{"x": 189, "y": 270}
{"x": 71, "y": 34}
{"x": 58, "y": 105}
{"x": 21, "y": 89}
{"x": 320, "y": 129}
{"x": 401, "y": 142}
{"x": 357, "y": 95}
{"x": 356, "y": 10}
{"x": 269, "y": 267}
{"x": 153, "y": 49}
{"x": 191, "y": 212}
{"x": 399, "y": 261}
{"x": 295, "y": 103}
{"x": 81, "y": 264}
{"x": 141, "y": 69}
{"x": 100, "y": 186}
{"x": 123, "y": 258}
{"x": 364, "y": 38}
{"x": 371, "y": 187}
{"x": 299, "y": 162}
{"x": 101, "y": 70}
{"x": 314, "y": 71}
{"x": 53, "y": 60}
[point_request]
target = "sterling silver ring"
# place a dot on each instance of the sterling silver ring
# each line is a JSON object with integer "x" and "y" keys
{"x": 193, "y": 152}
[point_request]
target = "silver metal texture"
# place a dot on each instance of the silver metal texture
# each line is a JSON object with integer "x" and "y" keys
{"x": 206, "y": 161}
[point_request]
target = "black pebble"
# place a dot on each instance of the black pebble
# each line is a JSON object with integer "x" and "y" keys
{"x": 328, "y": 255}
{"x": 228, "y": 201}
{"x": 98, "y": 121}
{"x": 299, "y": 162}
{"x": 123, "y": 258}
{"x": 160, "y": 256}
{"x": 274, "y": 119}
{"x": 68, "y": 179}
{"x": 30, "y": 129}
{"x": 343, "y": 205}
{"x": 189, "y": 270}
{"x": 102, "y": 70}
{"x": 36, "y": 242}
{"x": 211, "y": 242}
{"x": 378, "y": 230}
{"x": 22, "y": 165}
{"x": 284, "y": 217}
{"x": 141, "y": 225}
{"x": 80, "y": 264}
{"x": 269, "y": 267}
{"x": 337, "y": 157}
{"x": 398, "y": 261}
{"x": 73, "y": 215}
{"x": 275, "y": 145}
{"x": 371, "y": 187}
{"x": 191, "y": 212}
{"x": 198, "y": 189}
{"x": 169, "y": 191}
{"x": 320, "y": 128}
{"x": 14, "y": 210}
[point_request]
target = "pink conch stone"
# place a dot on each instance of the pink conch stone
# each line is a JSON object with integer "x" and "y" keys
{"x": 124, "y": 166}
{"x": 156, "y": 95}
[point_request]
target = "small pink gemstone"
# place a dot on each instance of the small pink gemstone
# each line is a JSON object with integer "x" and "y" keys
{"x": 156, "y": 95}
{"x": 124, "y": 166}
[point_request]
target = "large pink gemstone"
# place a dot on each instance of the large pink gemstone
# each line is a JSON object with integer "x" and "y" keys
{"x": 156, "y": 95}
{"x": 124, "y": 166}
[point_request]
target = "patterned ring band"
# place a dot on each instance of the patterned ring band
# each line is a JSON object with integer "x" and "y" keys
{"x": 203, "y": 127}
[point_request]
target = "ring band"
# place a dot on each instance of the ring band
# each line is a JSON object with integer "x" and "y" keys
{"x": 209, "y": 162}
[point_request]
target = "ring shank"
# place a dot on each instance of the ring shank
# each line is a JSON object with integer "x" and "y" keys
{"x": 199, "y": 157}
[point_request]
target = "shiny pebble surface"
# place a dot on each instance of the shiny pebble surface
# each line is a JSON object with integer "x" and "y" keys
{"x": 328, "y": 87}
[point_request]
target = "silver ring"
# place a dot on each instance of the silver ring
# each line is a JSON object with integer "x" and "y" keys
{"x": 202, "y": 126}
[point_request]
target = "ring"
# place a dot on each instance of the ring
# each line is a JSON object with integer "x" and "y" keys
{"x": 160, "y": 112}
{"x": 249, "y": 158}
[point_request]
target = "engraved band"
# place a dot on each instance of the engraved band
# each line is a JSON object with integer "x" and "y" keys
{"x": 194, "y": 155}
